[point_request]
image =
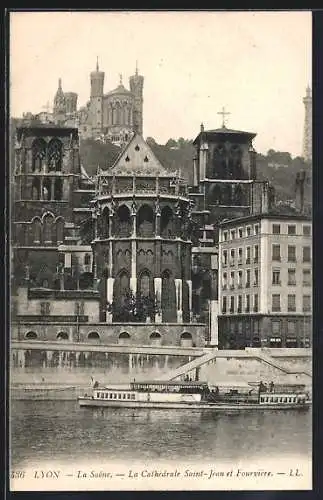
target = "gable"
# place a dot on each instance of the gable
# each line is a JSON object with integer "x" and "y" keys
{"x": 138, "y": 159}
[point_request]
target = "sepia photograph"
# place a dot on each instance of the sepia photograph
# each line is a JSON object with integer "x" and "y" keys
{"x": 160, "y": 193}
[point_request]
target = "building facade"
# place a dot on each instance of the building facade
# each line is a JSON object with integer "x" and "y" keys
{"x": 225, "y": 187}
{"x": 99, "y": 261}
{"x": 265, "y": 286}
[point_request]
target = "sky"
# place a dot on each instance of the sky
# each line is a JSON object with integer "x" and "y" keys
{"x": 255, "y": 64}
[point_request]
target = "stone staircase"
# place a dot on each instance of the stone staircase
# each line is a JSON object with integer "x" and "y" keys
{"x": 188, "y": 367}
{"x": 214, "y": 353}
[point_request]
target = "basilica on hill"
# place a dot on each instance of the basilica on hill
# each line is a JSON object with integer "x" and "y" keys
{"x": 111, "y": 115}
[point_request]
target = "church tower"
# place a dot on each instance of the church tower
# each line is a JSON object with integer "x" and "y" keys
{"x": 136, "y": 83}
{"x": 307, "y": 139}
{"x": 59, "y": 109}
{"x": 97, "y": 83}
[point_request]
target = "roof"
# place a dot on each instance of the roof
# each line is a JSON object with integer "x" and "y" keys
{"x": 224, "y": 132}
{"x": 169, "y": 382}
{"x": 138, "y": 159}
{"x": 121, "y": 89}
{"x": 267, "y": 215}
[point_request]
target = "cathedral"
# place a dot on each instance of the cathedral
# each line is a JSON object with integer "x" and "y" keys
{"x": 112, "y": 116}
{"x": 130, "y": 255}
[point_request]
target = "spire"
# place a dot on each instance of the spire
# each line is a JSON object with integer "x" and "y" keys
{"x": 60, "y": 84}
{"x": 308, "y": 91}
{"x": 202, "y": 127}
{"x": 120, "y": 76}
{"x": 97, "y": 63}
{"x": 136, "y": 67}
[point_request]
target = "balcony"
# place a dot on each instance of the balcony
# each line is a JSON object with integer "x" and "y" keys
{"x": 240, "y": 285}
{"x": 231, "y": 287}
{"x": 231, "y": 263}
{"x": 248, "y": 260}
{"x": 224, "y": 287}
{"x": 248, "y": 284}
{"x": 256, "y": 260}
{"x": 276, "y": 283}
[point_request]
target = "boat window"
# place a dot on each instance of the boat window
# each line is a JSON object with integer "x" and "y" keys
{"x": 106, "y": 395}
{"x": 97, "y": 394}
{"x": 128, "y": 396}
{"x": 114, "y": 396}
{"x": 133, "y": 396}
{"x": 119, "y": 396}
{"x": 123, "y": 396}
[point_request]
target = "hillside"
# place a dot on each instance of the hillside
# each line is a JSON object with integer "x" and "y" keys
{"x": 177, "y": 155}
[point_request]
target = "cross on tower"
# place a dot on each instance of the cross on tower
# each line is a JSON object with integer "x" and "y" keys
{"x": 223, "y": 113}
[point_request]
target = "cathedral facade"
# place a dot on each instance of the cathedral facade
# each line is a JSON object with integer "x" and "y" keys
{"x": 130, "y": 256}
{"x": 113, "y": 116}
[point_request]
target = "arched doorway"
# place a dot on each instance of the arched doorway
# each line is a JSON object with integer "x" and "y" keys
{"x": 155, "y": 338}
{"x": 94, "y": 337}
{"x": 62, "y": 336}
{"x": 186, "y": 339}
{"x": 31, "y": 335}
{"x": 124, "y": 338}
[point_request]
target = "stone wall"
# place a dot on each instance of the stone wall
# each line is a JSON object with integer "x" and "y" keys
{"x": 190, "y": 334}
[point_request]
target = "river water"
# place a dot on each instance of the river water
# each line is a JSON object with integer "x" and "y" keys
{"x": 62, "y": 432}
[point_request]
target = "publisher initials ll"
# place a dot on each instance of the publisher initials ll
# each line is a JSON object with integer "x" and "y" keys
{"x": 294, "y": 473}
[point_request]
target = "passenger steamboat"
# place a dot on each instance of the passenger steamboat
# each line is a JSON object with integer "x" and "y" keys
{"x": 197, "y": 395}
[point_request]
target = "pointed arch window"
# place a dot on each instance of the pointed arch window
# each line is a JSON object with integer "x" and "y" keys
{"x": 144, "y": 284}
{"x": 37, "y": 230}
{"x": 35, "y": 190}
{"x": 60, "y": 230}
{"x": 55, "y": 155}
{"x": 48, "y": 227}
{"x": 38, "y": 155}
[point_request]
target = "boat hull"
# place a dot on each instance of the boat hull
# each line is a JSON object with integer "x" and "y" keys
{"x": 91, "y": 402}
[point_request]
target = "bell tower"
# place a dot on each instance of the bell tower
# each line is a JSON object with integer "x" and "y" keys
{"x": 96, "y": 99}
{"x": 136, "y": 83}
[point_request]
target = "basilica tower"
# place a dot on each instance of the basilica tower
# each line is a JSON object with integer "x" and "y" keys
{"x": 97, "y": 83}
{"x": 307, "y": 139}
{"x": 136, "y": 83}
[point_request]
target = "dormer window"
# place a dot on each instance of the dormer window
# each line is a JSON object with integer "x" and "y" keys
{"x": 137, "y": 148}
{"x": 127, "y": 158}
{"x": 146, "y": 159}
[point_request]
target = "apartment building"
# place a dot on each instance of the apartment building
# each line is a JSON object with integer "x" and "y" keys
{"x": 265, "y": 281}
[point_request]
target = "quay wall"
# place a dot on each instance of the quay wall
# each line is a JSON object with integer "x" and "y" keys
{"x": 74, "y": 366}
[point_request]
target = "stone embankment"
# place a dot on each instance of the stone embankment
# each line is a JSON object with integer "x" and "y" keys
{"x": 66, "y": 380}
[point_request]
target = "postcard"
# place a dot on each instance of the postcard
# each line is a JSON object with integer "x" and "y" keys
{"x": 160, "y": 250}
